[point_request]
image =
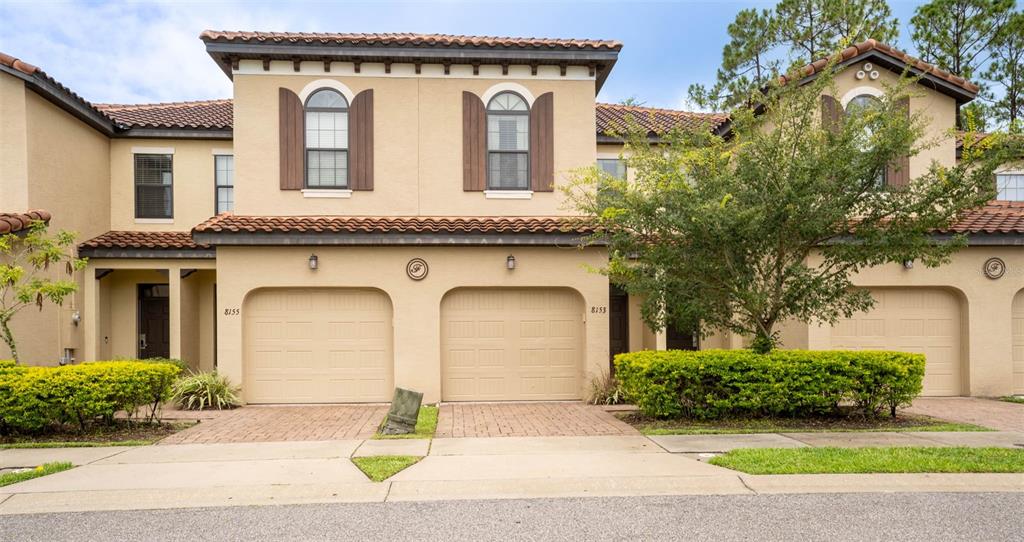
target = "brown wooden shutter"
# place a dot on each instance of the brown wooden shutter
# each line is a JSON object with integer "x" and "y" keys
{"x": 360, "y": 141}
{"x": 542, "y": 144}
{"x": 898, "y": 172}
{"x": 831, "y": 113}
{"x": 474, "y": 143}
{"x": 292, "y": 151}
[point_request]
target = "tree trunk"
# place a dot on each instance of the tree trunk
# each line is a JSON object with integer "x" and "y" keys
{"x": 8, "y": 338}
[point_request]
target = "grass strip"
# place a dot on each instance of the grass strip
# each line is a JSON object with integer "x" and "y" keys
{"x": 76, "y": 444}
{"x": 1019, "y": 399}
{"x": 9, "y": 478}
{"x": 426, "y": 425}
{"x": 381, "y": 467}
{"x": 872, "y": 460}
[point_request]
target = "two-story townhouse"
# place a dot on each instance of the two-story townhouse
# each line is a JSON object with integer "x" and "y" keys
{"x": 380, "y": 210}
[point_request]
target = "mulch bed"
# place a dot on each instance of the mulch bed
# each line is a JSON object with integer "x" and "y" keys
{"x": 120, "y": 431}
{"x": 772, "y": 425}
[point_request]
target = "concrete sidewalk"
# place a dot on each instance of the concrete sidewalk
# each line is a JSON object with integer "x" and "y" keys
{"x": 204, "y": 475}
{"x": 852, "y": 439}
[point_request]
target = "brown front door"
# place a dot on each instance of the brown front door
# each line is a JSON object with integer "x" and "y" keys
{"x": 618, "y": 323}
{"x": 154, "y": 321}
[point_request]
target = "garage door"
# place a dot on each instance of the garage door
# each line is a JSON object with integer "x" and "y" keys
{"x": 1018, "y": 343}
{"x": 919, "y": 320}
{"x": 318, "y": 346}
{"x": 511, "y": 344}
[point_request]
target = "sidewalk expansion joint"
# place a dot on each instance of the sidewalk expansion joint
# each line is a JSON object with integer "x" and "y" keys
{"x": 744, "y": 482}
{"x": 3, "y": 498}
{"x": 649, "y": 439}
{"x": 387, "y": 495}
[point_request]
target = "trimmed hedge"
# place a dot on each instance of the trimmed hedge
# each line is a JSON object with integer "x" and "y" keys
{"x": 36, "y": 398}
{"x": 712, "y": 384}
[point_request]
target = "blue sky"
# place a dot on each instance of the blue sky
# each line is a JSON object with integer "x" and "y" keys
{"x": 149, "y": 51}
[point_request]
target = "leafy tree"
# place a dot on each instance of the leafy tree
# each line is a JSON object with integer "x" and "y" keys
{"x": 1007, "y": 71}
{"x": 25, "y": 262}
{"x": 764, "y": 42}
{"x": 745, "y": 232}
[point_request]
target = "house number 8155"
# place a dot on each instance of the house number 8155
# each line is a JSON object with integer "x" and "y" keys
{"x": 231, "y": 312}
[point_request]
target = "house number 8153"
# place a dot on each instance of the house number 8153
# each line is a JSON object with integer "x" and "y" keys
{"x": 598, "y": 310}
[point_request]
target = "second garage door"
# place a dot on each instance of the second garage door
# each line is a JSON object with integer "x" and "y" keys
{"x": 919, "y": 320}
{"x": 511, "y": 344}
{"x": 318, "y": 345}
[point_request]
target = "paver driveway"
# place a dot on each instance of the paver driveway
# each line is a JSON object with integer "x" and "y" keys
{"x": 561, "y": 419}
{"x": 285, "y": 423}
{"x": 989, "y": 413}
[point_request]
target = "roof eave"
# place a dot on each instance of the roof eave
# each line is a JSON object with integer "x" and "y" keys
{"x": 63, "y": 99}
{"x": 224, "y": 53}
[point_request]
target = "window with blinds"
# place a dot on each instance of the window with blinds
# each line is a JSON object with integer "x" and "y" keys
{"x": 508, "y": 143}
{"x": 154, "y": 186}
{"x": 224, "y": 179}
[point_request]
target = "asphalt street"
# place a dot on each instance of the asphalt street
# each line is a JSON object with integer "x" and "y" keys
{"x": 832, "y": 517}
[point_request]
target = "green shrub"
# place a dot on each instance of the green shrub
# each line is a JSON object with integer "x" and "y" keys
{"x": 783, "y": 383}
{"x": 35, "y": 398}
{"x": 205, "y": 390}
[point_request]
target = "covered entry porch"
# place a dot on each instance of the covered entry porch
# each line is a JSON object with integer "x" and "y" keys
{"x": 151, "y": 294}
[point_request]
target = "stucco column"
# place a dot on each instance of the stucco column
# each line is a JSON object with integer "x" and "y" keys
{"x": 661, "y": 339}
{"x": 174, "y": 312}
{"x": 90, "y": 314}
{"x": 417, "y": 341}
{"x": 990, "y": 342}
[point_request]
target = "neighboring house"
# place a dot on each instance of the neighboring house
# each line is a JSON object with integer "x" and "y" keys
{"x": 381, "y": 210}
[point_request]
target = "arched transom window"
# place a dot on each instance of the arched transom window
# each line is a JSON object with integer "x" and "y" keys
{"x": 326, "y": 140}
{"x": 508, "y": 142}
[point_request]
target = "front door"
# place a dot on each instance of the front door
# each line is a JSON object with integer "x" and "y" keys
{"x": 618, "y": 323}
{"x": 154, "y": 321}
{"x": 682, "y": 339}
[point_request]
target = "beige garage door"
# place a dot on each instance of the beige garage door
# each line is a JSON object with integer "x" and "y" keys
{"x": 919, "y": 320}
{"x": 323, "y": 345}
{"x": 511, "y": 344}
{"x": 1018, "y": 343}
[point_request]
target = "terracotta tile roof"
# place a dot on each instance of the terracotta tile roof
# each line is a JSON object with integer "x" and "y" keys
{"x": 15, "y": 222}
{"x": 205, "y": 114}
{"x": 994, "y": 217}
{"x": 858, "y": 49}
{"x": 36, "y": 72}
{"x": 152, "y": 240}
{"x": 405, "y": 40}
{"x": 229, "y": 223}
{"x": 614, "y": 117}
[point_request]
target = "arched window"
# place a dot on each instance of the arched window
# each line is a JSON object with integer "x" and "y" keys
{"x": 508, "y": 142}
{"x": 858, "y": 106}
{"x": 326, "y": 140}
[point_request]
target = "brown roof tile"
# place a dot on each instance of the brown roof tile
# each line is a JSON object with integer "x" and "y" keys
{"x": 205, "y": 114}
{"x": 15, "y": 222}
{"x": 405, "y": 40}
{"x": 152, "y": 240}
{"x": 229, "y": 223}
{"x": 616, "y": 118}
{"x": 994, "y": 217}
{"x": 858, "y": 49}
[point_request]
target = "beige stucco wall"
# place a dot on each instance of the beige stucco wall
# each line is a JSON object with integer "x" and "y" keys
{"x": 193, "y": 178}
{"x": 67, "y": 171}
{"x": 417, "y": 146}
{"x": 416, "y": 305}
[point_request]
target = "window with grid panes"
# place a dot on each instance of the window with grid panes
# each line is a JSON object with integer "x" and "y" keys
{"x": 224, "y": 177}
{"x": 326, "y": 140}
{"x": 508, "y": 143}
{"x": 1010, "y": 186}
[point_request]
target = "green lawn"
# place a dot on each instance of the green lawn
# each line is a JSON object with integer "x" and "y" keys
{"x": 76, "y": 444}
{"x": 426, "y": 425}
{"x": 649, "y": 426}
{"x": 871, "y": 460}
{"x": 381, "y": 467}
{"x": 1019, "y": 399}
{"x": 9, "y": 478}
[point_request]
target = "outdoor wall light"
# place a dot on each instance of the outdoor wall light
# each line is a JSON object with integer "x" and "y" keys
{"x": 510, "y": 262}
{"x": 908, "y": 264}
{"x": 313, "y": 262}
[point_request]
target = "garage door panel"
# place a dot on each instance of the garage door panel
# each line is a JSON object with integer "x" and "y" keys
{"x": 511, "y": 345}
{"x": 318, "y": 346}
{"x": 922, "y": 321}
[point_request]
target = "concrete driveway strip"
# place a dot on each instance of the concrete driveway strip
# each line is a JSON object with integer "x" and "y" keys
{"x": 542, "y": 445}
{"x": 33, "y": 457}
{"x": 1002, "y": 439}
{"x": 195, "y": 475}
{"x": 506, "y": 467}
{"x": 243, "y": 451}
{"x": 723, "y": 443}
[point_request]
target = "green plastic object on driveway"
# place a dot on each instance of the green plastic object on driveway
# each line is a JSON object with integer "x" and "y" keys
{"x": 405, "y": 410}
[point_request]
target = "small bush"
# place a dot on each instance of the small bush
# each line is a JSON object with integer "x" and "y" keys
{"x": 201, "y": 391}
{"x": 712, "y": 384}
{"x": 181, "y": 365}
{"x": 35, "y": 398}
{"x": 606, "y": 390}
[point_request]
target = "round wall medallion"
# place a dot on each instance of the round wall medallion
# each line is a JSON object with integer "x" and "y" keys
{"x": 994, "y": 268}
{"x": 417, "y": 269}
